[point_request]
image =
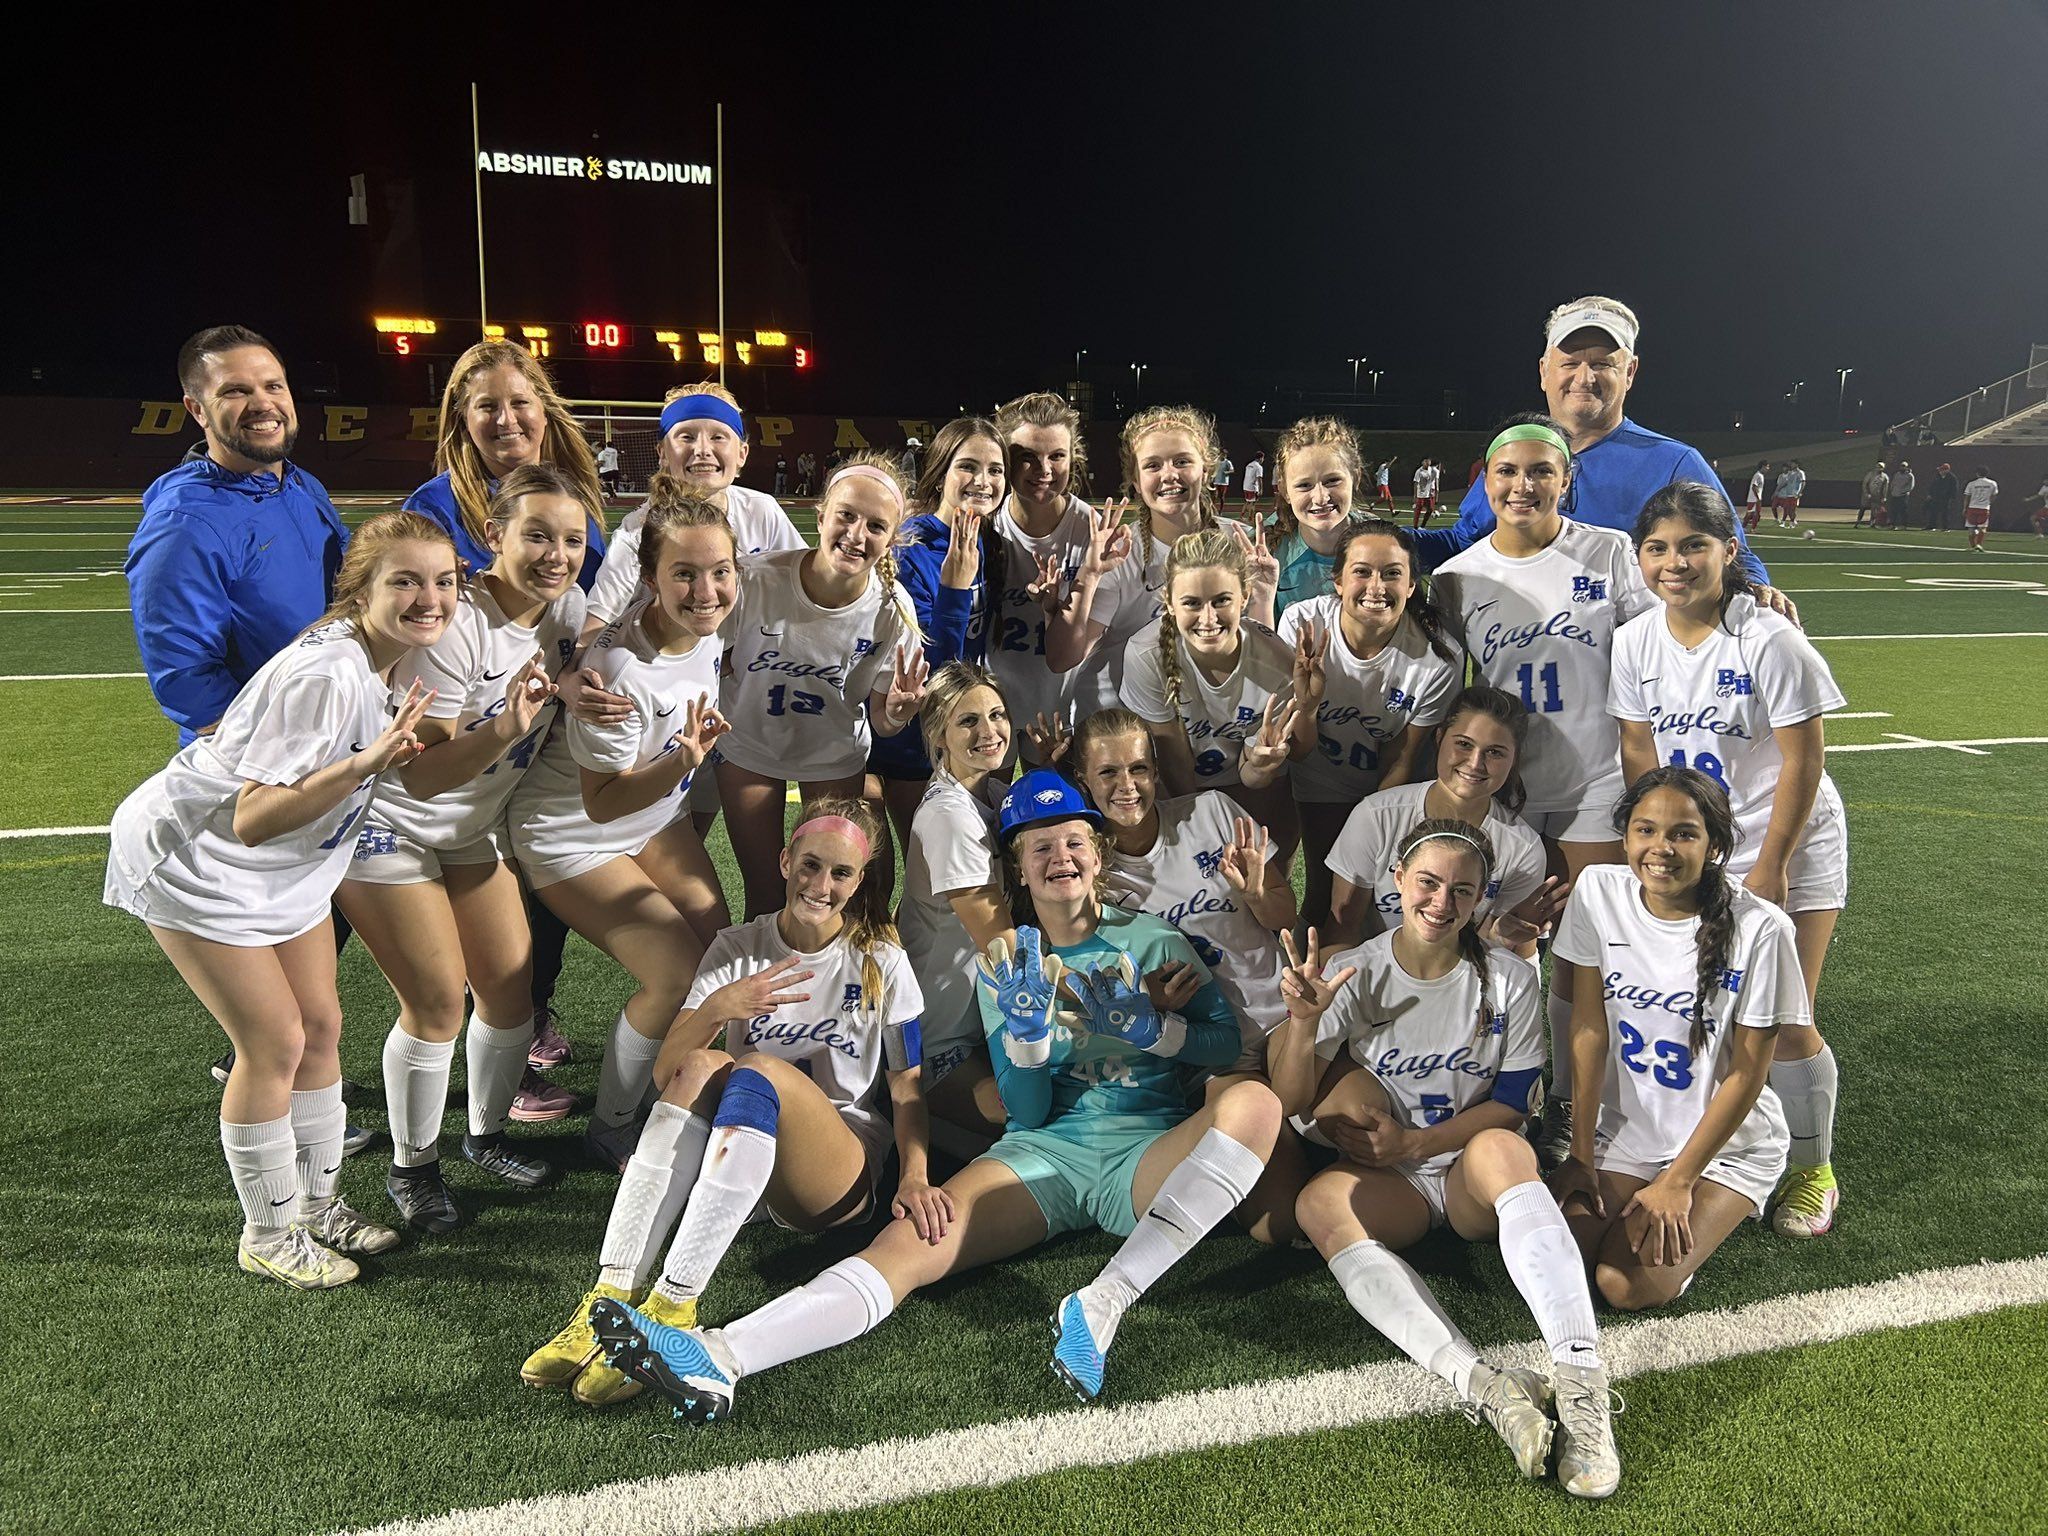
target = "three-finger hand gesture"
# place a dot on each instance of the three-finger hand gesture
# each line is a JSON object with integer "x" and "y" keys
{"x": 962, "y": 561}
{"x": 1244, "y": 860}
{"x": 1311, "y": 656}
{"x": 906, "y": 688}
{"x": 702, "y": 725}
{"x": 1302, "y": 983}
{"x": 1265, "y": 755}
{"x": 1049, "y": 738}
{"x": 758, "y": 995}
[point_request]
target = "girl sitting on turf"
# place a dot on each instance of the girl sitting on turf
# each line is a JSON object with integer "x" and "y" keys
{"x": 1423, "y": 1053}
{"x": 1682, "y": 980}
{"x": 601, "y": 826}
{"x": 808, "y": 666}
{"x": 1477, "y": 749}
{"x": 1316, "y": 469}
{"x": 816, "y": 1005}
{"x": 1372, "y": 667}
{"x": 953, "y": 904}
{"x": 429, "y": 888}
{"x": 1098, "y": 1130}
{"x": 232, "y": 853}
{"x": 1216, "y": 690}
{"x": 1715, "y": 681}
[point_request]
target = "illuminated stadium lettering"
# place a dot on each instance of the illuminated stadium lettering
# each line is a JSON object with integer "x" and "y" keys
{"x": 591, "y": 168}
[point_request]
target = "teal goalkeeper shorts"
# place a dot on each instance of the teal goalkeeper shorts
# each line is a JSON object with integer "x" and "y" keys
{"x": 1079, "y": 1167}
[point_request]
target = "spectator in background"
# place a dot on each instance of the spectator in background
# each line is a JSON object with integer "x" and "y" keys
{"x": 782, "y": 473}
{"x": 1900, "y": 493}
{"x": 1941, "y": 499}
{"x": 1977, "y": 498}
{"x": 910, "y": 448}
{"x": 1876, "y": 486}
{"x": 806, "y": 472}
{"x": 2041, "y": 515}
{"x": 608, "y": 468}
{"x": 1476, "y": 472}
{"x": 1255, "y": 478}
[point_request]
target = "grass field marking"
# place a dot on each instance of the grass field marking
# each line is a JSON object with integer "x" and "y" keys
{"x": 1972, "y": 748}
{"x": 10, "y": 833}
{"x": 1793, "y": 538}
{"x": 32, "y": 613}
{"x": 1922, "y": 741}
{"x": 1862, "y": 714}
{"x": 62, "y": 861}
{"x": 1911, "y": 590}
{"x": 1955, "y": 812}
{"x": 1867, "y": 576}
{"x": 889, "y": 1471}
{"x": 1984, "y": 634}
{"x": 67, "y": 677}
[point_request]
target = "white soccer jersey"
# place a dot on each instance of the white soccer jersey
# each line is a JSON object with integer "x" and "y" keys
{"x": 842, "y": 1039}
{"x": 1756, "y": 487}
{"x": 1423, "y": 1039}
{"x": 1717, "y": 707}
{"x": 1218, "y": 717}
{"x": 174, "y": 859}
{"x": 1180, "y": 879}
{"x": 1657, "y": 1088}
{"x": 952, "y": 848}
{"x": 1364, "y": 851}
{"x": 1016, "y": 639}
{"x": 1254, "y": 478}
{"x": 1366, "y": 703}
{"x": 796, "y": 678}
{"x": 759, "y": 527}
{"x": 1980, "y": 493}
{"x": 549, "y": 822}
{"x": 1542, "y": 627}
{"x": 469, "y": 667}
{"x": 1132, "y": 597}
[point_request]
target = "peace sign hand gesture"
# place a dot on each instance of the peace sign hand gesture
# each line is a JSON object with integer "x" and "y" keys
{"x": 1265, "y": 755}
{"x": 1244, "y": 860}
{"x": 1261, "y": 564}
{"x": 702, "y": 725}
{"x": 1308, "y": 992}
{"x": 397, "y": 745}
{"x": 906, "y": 688}
{"x": 1311, "y": 656}
{"x": 962, "y": 562}
{"x": 529, "y": 689}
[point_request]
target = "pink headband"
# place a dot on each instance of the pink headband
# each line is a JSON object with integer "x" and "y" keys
{"x": 866, "y": 471}
{"x": 849, "y": 830}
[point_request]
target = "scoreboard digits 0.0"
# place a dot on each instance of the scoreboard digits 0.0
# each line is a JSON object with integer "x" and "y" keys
{"x": 599, "y": 341}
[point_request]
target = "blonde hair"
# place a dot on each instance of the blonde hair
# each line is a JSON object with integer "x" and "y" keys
{"x": 1045, "y": 409}
{"x": 672, "y": 506}
{"x": 538, "y": 480}
{"x": 366, "y": 550}
{"x": 455, "y": 452}
{"x": 1199, "y": 425}
{"x": 945, "y": 689}
{"x": 885, "y": 568}
{"x": 709, "y": 387}
{"x": 1024, "y": 911}
{"x": 868, "y": 920}
{"x": 1312, "y": 432}
{"x": 1211, "y": 549}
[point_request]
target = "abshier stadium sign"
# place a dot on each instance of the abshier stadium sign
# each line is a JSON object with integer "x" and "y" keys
{"x": 592, "y": 168}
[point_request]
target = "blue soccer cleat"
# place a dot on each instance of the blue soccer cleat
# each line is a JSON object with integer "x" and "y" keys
{"x": 673, "y": 1361}
{"x": 1076, "y": 1358}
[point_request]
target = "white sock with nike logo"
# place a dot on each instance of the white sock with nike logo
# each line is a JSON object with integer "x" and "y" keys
{"x": 1543, "y": 1260}
{"x": 318, "y": 1123}
{"x": 260, "y": 1161}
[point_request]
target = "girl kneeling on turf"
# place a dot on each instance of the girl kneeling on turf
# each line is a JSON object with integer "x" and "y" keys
{"x": 1098, "y": 1129}
{"x": 232, "y": 854}
{"x": 601, "y": 826}
{"x": 1423, "y": 1054}
{"x": 429, "y": 889}
{"x": 816, "y": 1004}
{"x": 1717, "y": 681}
{"x": 1682, "y": 980}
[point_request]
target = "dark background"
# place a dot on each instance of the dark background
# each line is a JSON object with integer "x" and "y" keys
{"x": 954, "y": 200}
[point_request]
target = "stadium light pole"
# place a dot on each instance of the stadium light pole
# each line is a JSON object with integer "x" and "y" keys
{"x": 1374, "y": 375}
{"x": 1841, "y": 391}
{"x": 476, "y": 160}
{"x": 1138, "y": 386}
{"x": 1079, "y": 353}
{"x": 718, "y": 154}
{"x": 1354, "y": 362}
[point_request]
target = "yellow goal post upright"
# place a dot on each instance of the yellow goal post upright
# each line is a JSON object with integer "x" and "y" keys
{"x": 631, "y": 426}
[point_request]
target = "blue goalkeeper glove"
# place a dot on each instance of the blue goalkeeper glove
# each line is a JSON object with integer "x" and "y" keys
{"x": 1026, "y": 991}
{"x": 1114, "y": 1002}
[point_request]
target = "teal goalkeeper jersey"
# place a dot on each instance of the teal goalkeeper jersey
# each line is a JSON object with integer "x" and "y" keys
{"x": 1303, "y": 574}
{"x": 1090, "y": 1074}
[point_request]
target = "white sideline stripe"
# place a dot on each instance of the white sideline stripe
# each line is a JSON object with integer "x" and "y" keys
{"x": 1956, "y": 549}
{"x": 6, "y": 613}
{"x": 9, "y": 834}
{"x": 1988, "y": 634}
{"x": 1862, "y": 714}
{"x": 1905, "y": 591}
{"x": 1903, "y": 743}
{"x": 888, "y": 1471}
{"x": 64, "y": 677}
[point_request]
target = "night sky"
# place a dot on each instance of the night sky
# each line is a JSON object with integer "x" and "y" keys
{"x": 953, "y": 203}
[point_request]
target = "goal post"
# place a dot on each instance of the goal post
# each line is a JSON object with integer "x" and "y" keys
{"x": 631, "y": 426}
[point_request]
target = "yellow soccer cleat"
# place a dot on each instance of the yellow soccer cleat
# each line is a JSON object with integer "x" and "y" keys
{"x": 1806, "y": 1201}
{"x": 556, "y": 1362}
{"x": 599, "y": 1385}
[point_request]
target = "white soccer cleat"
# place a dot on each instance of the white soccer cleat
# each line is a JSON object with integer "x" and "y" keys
{"x": 1512, "y": 1402}
{"x": 1588, "y": 1464}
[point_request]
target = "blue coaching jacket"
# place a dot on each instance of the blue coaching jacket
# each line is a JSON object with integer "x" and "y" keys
{"x": 955, "y": 625}
{"x": 223, "y": 572}
{"x": 436, "y": 501}
{"x": 1610, "y": 482}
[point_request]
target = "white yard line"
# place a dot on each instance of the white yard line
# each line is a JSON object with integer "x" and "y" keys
{"x": 12, "y": 834}
{"x": 1985, "y": 634}
{"x": 7, "y": 613}
{"x": 1973, "y": 748}
{"x": 884, "y": 1472}
{"x": 1862, "y": 714}
{"x": 1954, "y": 549}
{"x": 66, "y": 677}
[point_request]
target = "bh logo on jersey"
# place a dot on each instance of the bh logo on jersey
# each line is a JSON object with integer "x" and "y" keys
{"x": 1208, "y": 861}
{"x": 1588, "y": 589}
{"x": 862, "y": 647}
{"x": 375, "y": 840}
{"x": 1497, "y": 1023}
{"x": 851, "y": 1002}
{"x": 1729, "y": 683}
{"x": 1396, "y": 699}
{"x": 1731, "y": 982}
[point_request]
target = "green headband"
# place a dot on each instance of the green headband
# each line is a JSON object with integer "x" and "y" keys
{"x": 1530, "y": 432}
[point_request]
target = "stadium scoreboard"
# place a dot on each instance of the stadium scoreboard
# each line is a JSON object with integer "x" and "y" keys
{"x": 599, "y": 341}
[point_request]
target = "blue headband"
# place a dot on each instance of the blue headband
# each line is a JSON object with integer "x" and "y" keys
{"x": 700, "y": 408}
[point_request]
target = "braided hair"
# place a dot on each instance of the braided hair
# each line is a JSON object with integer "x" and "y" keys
{"x": 1471, "y": 947}
{"x": 1505, "y": 710}
{"x": 885, "y": 568}
{"x": 672, "y": 504}
{"x": 1422, "y": 605}
{"x": 1211, "y": 549}
{"x": 1701, "y": 509}
{"x": 1715, "y": 893}
{"x": 868, "y": 919}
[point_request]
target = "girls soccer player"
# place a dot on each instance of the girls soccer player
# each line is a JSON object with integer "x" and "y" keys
{"x": 1676, "y": 1136}
{"x": 600, "y": 825}
{"x": 953, "y": 903}
{"x": 817, "y": 1006}
{"x": 1536, "y": 603}
{"x": 1716, "y": 681}
{"x": 1207, "y": 681}
{"x": 1427, "y": 1048}
{"x": 428, "y": 889}
{"x": 1373, "y": 668}
{"x": 804, "y": 669}
{"x": 1477, "y": 749}
{"x": 232, "y": 853}
{"x": 1317, "y": 471}
{"x": 1098, "y": 1128}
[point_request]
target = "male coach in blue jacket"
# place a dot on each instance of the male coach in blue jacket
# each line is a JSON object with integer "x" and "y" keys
{"x": 238, "y": 548}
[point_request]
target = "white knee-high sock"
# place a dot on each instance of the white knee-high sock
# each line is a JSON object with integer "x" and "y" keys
{"x": 1203, "y": 1188}
{"x": 657, "y": 1181}
{"x": 1544, "y": 1263}
{"x": 1384, "y": 1291}
{"x": 318, "y": 1124}
{"x": 415, "y": 1095}
{"x": 847, "y": 1300}
{"x": 1559, "y": 1012}
{"x": 261, "y": 1161}
{"x": 1807, "y": 1089}
{"x": 626, "y": 1073}
{"x": 497, "y": 1060}
{"x": 738, "y": 1159}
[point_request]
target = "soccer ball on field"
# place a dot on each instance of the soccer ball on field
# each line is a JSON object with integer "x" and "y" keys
{"x": 1807, "y": 535}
